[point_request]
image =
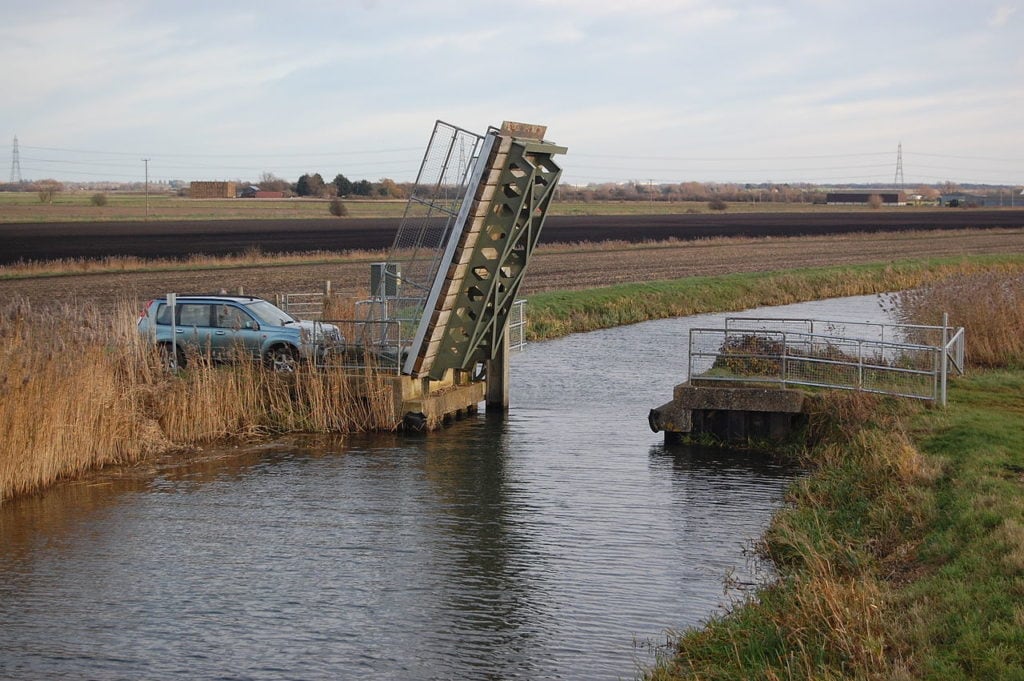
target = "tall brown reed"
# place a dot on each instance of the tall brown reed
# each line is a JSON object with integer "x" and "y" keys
{"x": 989, "y": 305}
{"x": 79, "y": 389}
{"x": 64, "y": 406}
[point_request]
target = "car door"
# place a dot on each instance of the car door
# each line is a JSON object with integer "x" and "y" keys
{"x": 235, "y": 331}
{"x": 194, "y": 326}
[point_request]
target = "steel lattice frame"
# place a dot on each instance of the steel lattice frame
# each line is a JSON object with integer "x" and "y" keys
{"x": 483, "y": 266}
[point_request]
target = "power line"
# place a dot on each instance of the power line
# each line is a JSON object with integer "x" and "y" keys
{"x": 731, "y": 158}
{"x": 258, "y": 156}
{"x": 998, "y": 159}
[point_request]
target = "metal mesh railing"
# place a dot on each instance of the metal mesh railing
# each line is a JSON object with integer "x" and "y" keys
{"x": 302, "y": 305}
{"x": 430, "y": 216}
{"x": 894, "y": 333}
{"x": 517, "y": 326}
{"x": 381, "y": 334}
{"x": 379, "y": 344}
{"x": 749, "y": 351}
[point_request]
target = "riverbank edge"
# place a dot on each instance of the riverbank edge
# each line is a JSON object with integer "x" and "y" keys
{"x": 901, "y": 555}
{"x": 560, "y": 313}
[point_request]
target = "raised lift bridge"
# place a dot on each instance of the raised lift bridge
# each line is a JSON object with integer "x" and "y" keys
{"x": 440, "y": 305}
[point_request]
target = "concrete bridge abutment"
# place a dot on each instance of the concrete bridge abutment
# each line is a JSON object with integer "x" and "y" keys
{"x": 729, "y": 414}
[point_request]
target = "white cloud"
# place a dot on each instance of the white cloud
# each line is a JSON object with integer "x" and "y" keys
{"x": 1001, "y": 16}
{"x": 649, "y": 78}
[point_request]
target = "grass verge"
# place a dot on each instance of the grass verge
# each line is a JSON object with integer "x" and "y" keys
{"x": 557, "y": 313}
{"x": 901, "y": 555}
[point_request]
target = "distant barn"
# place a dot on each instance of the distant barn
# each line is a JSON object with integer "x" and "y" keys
{"x": 211, "y": 190}
{"x": 253, "y": 192}
{"x": 863, "y": 198}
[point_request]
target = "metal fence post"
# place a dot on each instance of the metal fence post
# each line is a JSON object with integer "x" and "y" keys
{"x": 783, "y": 368}
{"x": 860, "y": 365}
{"x": 172, "y": 302}
{"x": 689, "y": 367}
{"x": 944, "y": 368}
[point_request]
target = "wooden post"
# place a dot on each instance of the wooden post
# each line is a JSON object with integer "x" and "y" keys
{"x": 497, "y": 378}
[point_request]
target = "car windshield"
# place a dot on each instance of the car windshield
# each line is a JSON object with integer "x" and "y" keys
{"x": 270, "y": 314}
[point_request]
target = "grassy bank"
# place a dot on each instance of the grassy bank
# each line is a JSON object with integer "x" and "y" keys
{"x": 557, "y": 313}
{"x": 901, "y": 556}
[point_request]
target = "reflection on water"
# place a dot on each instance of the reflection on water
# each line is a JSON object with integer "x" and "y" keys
{"x": 539, "y": 546}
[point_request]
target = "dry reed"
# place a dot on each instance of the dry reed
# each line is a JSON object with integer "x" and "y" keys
{"x": 79, "y": 390}
{"x": 198, "y": 261}
{"x": 989, "y": 305}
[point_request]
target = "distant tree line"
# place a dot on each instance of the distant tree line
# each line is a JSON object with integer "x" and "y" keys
{"x": 313, "y": 184}
{"x": 718, "y": 192}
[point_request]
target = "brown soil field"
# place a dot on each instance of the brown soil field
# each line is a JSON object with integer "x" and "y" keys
{"x": 177, "y": 239}
{"x": 553, "y": 267}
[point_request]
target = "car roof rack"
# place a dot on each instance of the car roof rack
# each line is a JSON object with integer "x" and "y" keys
{"x": 214, "y": 295}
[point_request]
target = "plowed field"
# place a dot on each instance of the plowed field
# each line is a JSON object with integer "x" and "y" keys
{"x": 175, "y": 239}
{"x": 553, "y": 267}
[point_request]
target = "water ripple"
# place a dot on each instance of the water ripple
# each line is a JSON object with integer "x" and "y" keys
{"x": 544, "y": 546}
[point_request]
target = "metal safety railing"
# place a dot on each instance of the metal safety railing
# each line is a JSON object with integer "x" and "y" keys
{"x": 378, "y": 344}
{"x": 517, "y": 326}
{"x": 302, "y": 305}
{"x": 883, "y": 358}
{"x": 381, "y": 335}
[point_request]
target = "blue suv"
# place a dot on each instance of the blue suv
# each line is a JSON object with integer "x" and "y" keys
{"x": 223, "y": 326}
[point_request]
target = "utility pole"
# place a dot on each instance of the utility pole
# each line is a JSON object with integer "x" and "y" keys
{"x": 146, "y": 161}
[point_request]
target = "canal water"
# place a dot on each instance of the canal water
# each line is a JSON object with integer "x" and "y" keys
{"x": 560, "y": 543}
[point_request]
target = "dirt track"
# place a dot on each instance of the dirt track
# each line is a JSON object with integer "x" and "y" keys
{"x": 551, "y": 268}
{"x": 158, "y": 239}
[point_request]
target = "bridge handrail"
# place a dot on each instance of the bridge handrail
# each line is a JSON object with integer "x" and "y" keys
{"x": 742, "y": 354}
{"x": 885, "y": 330}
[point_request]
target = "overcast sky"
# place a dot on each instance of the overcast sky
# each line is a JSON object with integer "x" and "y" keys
{"x": 650, "y": 90}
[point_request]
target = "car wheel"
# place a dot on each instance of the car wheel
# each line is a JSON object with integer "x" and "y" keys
{"x": 283, "y": 359}
{"x": 167, "y": 357}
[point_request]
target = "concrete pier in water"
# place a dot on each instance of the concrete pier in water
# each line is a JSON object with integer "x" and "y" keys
{"x": 731, "y": 414}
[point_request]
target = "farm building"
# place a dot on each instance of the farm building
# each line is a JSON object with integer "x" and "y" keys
{"x": 994, "y": 199}
{"x": 863, "y": 197}
{"x": 252, "y": 192}
{"x": 211, "y": 190}
{"x": 962, "y": 199}
{"x": 1005, "y": 199}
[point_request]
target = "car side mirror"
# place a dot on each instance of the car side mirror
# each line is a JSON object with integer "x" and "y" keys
{"x": 252, "y": 325}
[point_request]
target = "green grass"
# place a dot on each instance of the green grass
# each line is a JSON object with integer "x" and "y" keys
{"x": 901, "y": 555}
{"x": 557, "y": 313}
{"x": 966, "y": 617}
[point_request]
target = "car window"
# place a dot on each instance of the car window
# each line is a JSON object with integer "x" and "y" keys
{"x": 194, "y": 314}
{"x": 270, "y": 314}
{"x": 231, "y": 317}
{"x": 163, "y": 314}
